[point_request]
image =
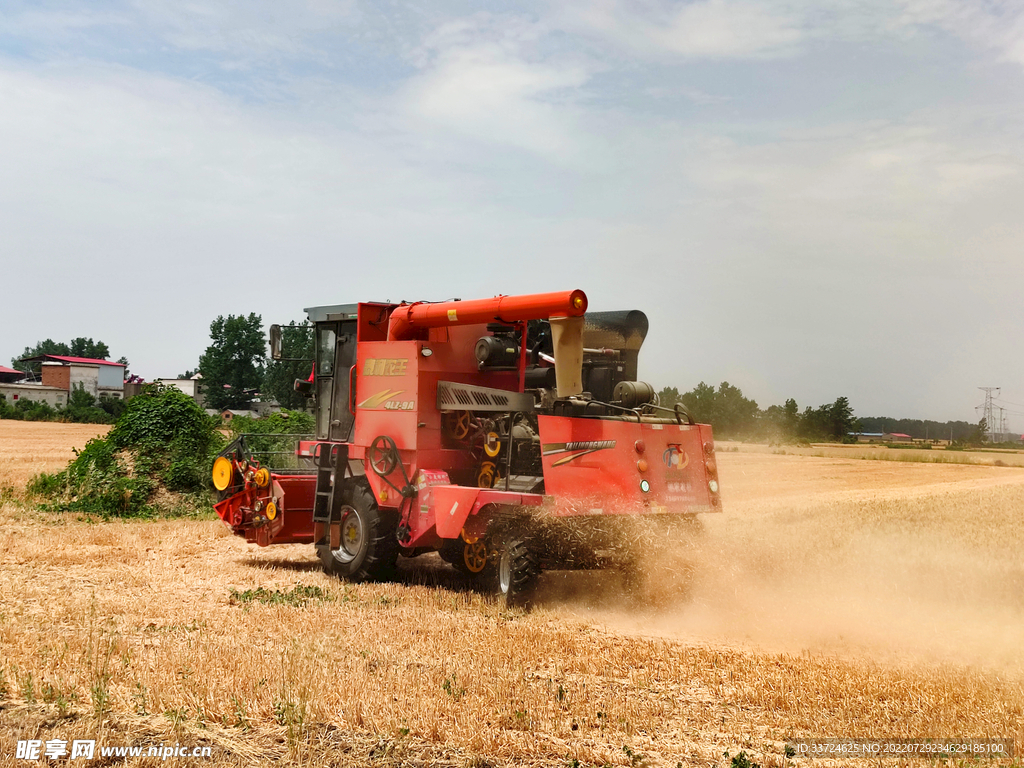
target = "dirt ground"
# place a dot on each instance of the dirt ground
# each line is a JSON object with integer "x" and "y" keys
{"x": 834, "y": 597}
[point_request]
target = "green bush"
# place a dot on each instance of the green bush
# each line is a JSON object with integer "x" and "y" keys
{"x": 162, "y": 439}
{"x": 81, "y": 409}
{"x": 31, "y": 410}
{"x": 113, "y": 406}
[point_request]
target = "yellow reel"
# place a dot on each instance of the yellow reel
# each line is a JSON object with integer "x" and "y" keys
{"x": 271, "y": 512}
{"x": 262, "y": 477}
{"x": 223, "y": 472}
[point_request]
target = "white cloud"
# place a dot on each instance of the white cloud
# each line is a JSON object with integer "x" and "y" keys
{"x": 997, "y": 25}
{"x": 480, "y": 80}
{"x": 768, "y": 242}
{"x": 712, "y": 29}
{"x": 753, "y": 29}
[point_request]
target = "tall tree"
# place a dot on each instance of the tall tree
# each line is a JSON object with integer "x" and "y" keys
{"x": 80, "y": 347}
{"x": 700, "y": 402}
{"x": 726, "y": 409}
{"x": 669, "y": 396}
{"x": 781, "y": 422}
{"x": 45, "y": 347}
{"x": 83, "y": 347}
{"x": 279, "y": 380}
{"x": 233, "y": 365}
{"x": 839, "y": 417}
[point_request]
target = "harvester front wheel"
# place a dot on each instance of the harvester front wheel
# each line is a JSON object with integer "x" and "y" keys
{"x": 511, "y": 572}
{"x": 361, "y": 543}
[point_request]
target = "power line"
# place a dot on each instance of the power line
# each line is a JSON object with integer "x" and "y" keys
{"x": 1021, "y": 405}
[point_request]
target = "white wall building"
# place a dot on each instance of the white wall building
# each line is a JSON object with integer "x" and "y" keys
{"x": 13, "y": 393}
{"x": 100, "y": 378}
{"x": 192, "y": 387}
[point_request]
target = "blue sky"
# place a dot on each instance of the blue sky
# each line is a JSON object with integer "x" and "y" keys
{"x": 808, "y": 200}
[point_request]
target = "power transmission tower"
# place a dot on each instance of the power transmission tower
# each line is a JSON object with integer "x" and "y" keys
{"x": 988, "y": 411}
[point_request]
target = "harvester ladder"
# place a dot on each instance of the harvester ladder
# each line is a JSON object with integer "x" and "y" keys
{"x": 331, "y": 458}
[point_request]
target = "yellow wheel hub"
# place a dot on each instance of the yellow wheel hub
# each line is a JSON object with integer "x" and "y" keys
{"x": 223, "y": 471}
{"x": 488, "y": 476}
{"x": 475, "y": 556}
{"x": 457, "y": 424}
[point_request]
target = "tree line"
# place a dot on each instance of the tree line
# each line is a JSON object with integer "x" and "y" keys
{"x": 79, "y": 347}
{"x": 236, "y": 370}
{"x": 733, "y": 415}
{"x": 736, "y": 416}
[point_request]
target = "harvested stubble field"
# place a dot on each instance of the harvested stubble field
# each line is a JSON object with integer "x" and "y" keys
{"x": 834, "y": 598}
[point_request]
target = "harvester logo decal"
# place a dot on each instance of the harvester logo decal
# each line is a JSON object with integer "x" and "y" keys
{"x": 576, "y": 450}
{"x": 382, "y": 366}
{"x": 675, "y": 457}
{"x": 375, "y": 401}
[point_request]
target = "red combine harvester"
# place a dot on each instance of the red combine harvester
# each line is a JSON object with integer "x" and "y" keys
{"x": 508, "y": 434}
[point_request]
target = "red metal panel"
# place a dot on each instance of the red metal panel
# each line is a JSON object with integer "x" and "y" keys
{"x": 453, "y": 504}
{"x": 295, "y": 509}
{"x": 387, "y": 401}
{"x": 593, "y": 466}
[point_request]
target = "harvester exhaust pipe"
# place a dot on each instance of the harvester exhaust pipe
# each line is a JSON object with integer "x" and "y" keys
{"x": 567, "y": 340}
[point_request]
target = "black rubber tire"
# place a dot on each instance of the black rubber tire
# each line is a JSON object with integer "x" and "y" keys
{"x": 374, "y": 554}
{"x": 451, "y": 550}
{"x": 512, "y": 568}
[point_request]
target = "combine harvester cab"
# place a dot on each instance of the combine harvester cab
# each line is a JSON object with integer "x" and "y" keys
{"x": 510, "y": 435}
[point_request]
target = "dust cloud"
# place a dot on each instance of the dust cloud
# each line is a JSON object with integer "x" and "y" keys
{"x": 934, "y": 574}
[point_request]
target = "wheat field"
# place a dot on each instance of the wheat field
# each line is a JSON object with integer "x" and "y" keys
{"x": 834, "y": 598}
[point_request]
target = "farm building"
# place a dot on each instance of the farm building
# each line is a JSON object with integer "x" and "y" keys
{"x": 12, "y": 393}
{"x": 192, "y": 387}
{"x": 228, "y": 414}
{"x": 882, "y": 437}
{"x": 100, "y": 378}
{"x": 10, "y": 375}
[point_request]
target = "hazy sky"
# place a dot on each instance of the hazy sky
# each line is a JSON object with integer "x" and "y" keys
{"x": 807, "y": 199}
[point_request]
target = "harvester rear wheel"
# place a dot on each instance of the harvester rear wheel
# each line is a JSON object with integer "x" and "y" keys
{"x": 512, "y": 569}
{"x": 361, "y": 544}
